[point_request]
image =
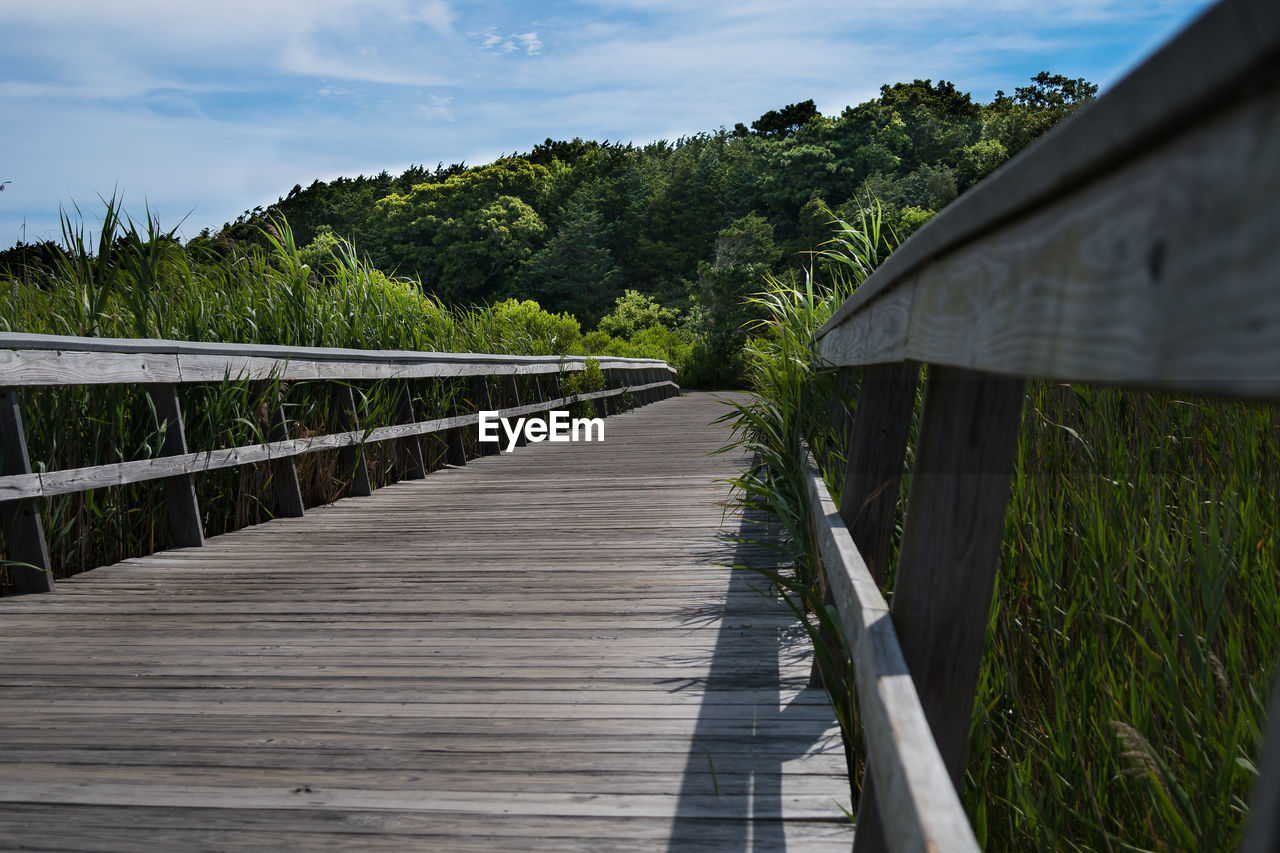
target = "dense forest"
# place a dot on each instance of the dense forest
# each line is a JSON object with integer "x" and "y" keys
{"x": 679, "y": 232}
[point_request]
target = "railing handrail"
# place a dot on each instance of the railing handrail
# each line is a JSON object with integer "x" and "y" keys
{"x": 1134, "y": 245}
{"x": 30, "y": 359}
{"x": 161, "y": 366}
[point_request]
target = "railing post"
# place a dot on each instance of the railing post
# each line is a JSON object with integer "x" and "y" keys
{"x": 513, "y": 388}
{"x": 951, "y": 543}
{"x": 415, "y": 467}
{"x": 181, "y": 505}
{"x": 454, "y": 439}
{"x": 284, "y": 472}
{"x": 480, "y": 388}
{"x": 20, "y": 519}
{"x": 351, "y": 458}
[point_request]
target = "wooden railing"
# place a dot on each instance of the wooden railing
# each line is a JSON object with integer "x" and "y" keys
{"x": 1136, "y": 245}
{"x": 161, "y": 366}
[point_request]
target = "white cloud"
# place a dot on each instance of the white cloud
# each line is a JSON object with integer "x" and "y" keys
{"x": 491, "y": 39}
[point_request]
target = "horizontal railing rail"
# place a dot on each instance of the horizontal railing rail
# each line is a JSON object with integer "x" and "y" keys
{"x": 1135, "y": 245}
{"x": 32, "y": 361}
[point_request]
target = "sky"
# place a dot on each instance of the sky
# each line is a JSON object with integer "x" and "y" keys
{"x": 198, "y": 111}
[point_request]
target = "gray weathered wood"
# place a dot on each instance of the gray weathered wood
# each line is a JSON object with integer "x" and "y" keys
{"x": 25, "y": 549}
{"x": 284, "y": 472}
{"x": 27, "y": 359}
{"x": 411, "y": 446}
{"x": 181, "y": 506}
{"x": 68, "y": 481}
{"x": 921, "y": 810}
{"x": 875, "y": 458}
{"x": 1262, "y": 832}
{"x": 484, "y": 401}
{"x": 967, "y": 441}
{"x": 524, "y": 664}
{"x": 351, "y": 459}
{"x": 513, "y": 402}
{"x": 455, "y": 440}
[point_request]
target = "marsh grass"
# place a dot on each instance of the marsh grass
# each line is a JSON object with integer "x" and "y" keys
{"x": 135, "y": 280}
{"x": 1135, "y": 626}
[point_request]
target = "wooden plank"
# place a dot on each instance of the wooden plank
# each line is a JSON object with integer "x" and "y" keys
{"x": 25, "y": 549}
{"x": 28, "y": 359}
{"x": 509, "y": 645}
{"x": 920, "y": 809}
{"x": 951, "y": 542}
{"x": 181, "y": 507}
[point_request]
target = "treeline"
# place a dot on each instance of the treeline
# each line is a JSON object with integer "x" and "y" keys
{"x": 689, "y": 226}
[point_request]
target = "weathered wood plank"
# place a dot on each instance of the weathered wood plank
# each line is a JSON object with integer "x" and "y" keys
{"x": 535, "y": 649}
{"x": 181, "y": 506}
{"x": 27, "y": 359}
{"x": 951, "y": 543}
{"x": 920, "y": 809}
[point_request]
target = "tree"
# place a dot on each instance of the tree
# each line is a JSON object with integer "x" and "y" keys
{"x": 779, "y": 124}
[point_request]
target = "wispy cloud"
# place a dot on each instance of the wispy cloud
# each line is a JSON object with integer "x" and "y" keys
{"x": 491, "y": 39}
{"x": 223, "y": 106}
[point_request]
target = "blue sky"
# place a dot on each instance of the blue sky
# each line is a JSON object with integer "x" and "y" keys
{"x": 203, "y": 110}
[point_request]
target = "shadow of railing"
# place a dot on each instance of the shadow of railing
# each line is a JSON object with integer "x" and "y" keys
{"x": 731, "y": 794}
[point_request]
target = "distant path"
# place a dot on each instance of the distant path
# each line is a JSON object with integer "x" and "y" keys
{"x": 534, "y": 652}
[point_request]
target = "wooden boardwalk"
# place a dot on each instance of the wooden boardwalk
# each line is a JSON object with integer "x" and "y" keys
{"x": 536, "y": 651}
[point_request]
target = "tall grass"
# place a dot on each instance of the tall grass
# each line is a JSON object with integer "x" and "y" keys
{"x": 136, "y": 280}
{"x": 1136, "y": 622}
{"x": 788, "y": 415}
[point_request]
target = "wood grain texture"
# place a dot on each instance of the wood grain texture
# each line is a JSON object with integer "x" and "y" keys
{"x": 68, "y": 481}
{"x": 1109, "y": 281}
{"x": 951, "y": 538}
{"x": 538, "y": 651}
{"x": 868, "y": 505}
{"x": 180, "y": 503}
{"x": 61, "y": 360}
{"x": 918, "y": 806}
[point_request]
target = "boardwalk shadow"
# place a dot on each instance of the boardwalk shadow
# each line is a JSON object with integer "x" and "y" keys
{"x": 731, "y": 794}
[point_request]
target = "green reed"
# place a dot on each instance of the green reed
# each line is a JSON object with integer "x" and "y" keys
{"x": 136, "y": 280}
{"x": 1135, "y": 627}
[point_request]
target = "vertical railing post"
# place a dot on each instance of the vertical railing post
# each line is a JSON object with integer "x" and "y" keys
{"x": 513, "y": 388}
{"x": 480, "y": 389}
{"x": 20, "y": 519}
{"x": 455, "y": 441}
{"x": 351, "y": 458}
{"x": 951, "y": 543}
{"x": 415, "y": 467}
{"x": 181, "y": 505}
{"x": 284, "y": 472}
